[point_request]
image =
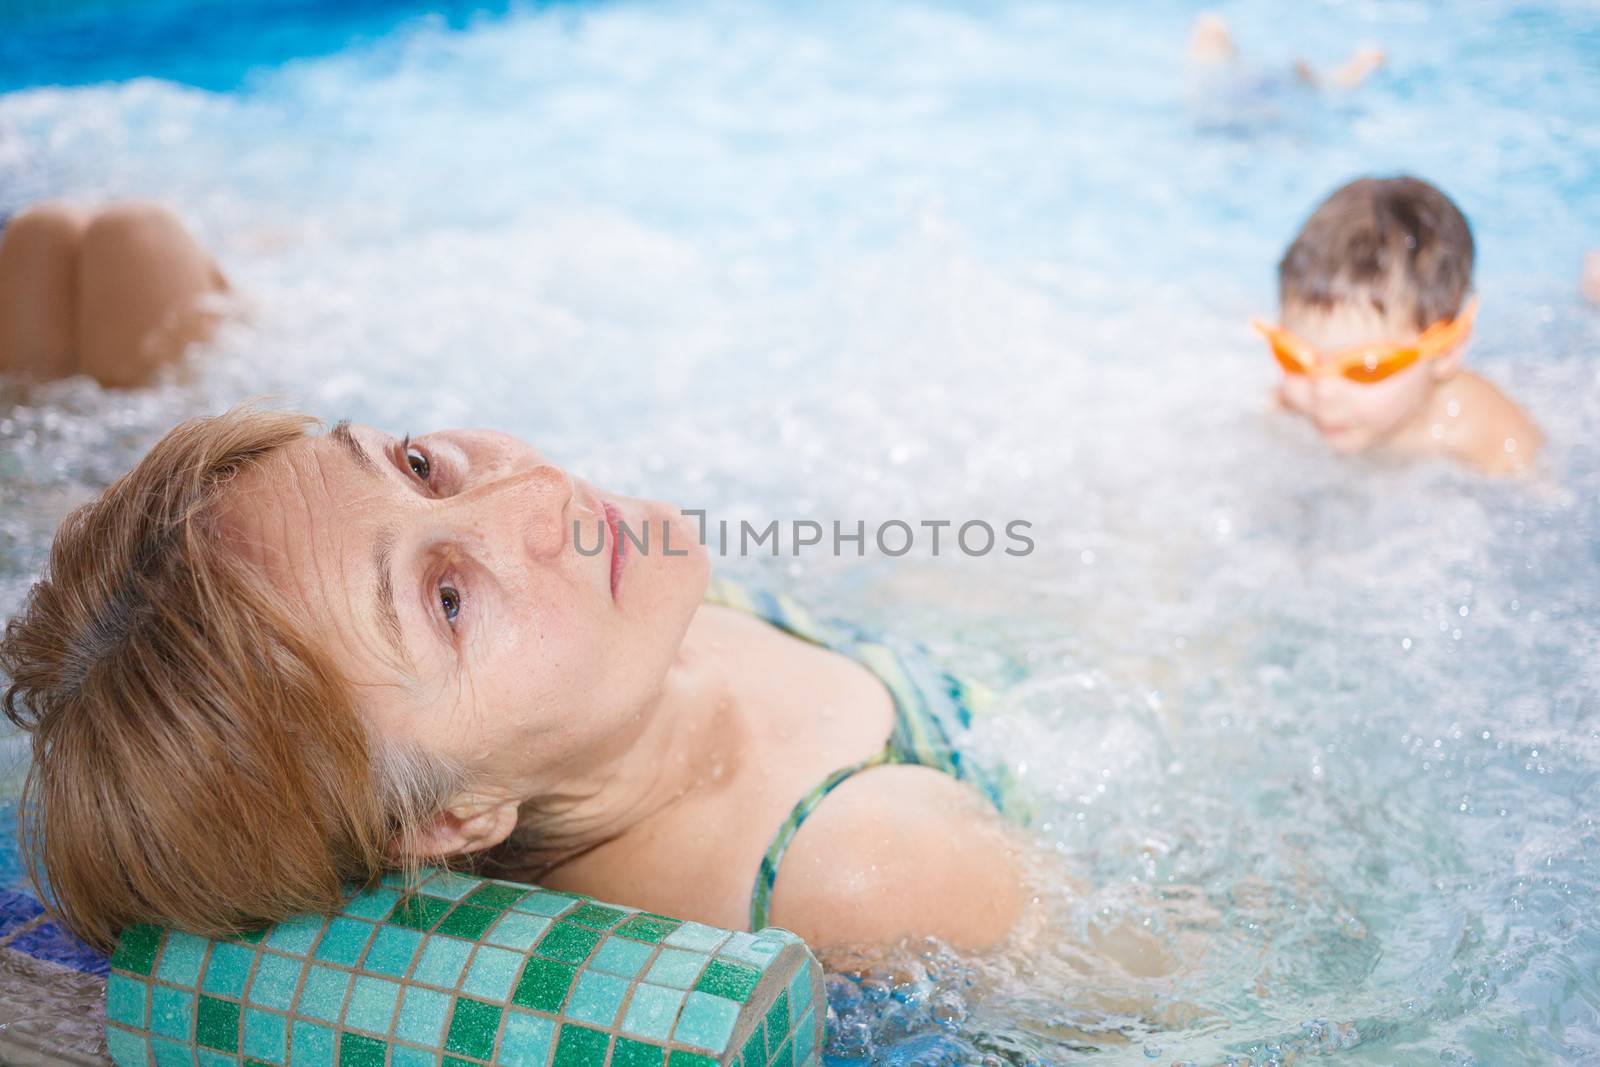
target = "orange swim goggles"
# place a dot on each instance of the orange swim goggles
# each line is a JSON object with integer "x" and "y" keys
{"x": 1368, "y": 363}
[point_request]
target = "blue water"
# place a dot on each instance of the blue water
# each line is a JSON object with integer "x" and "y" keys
{"x": 1330, "y": 727}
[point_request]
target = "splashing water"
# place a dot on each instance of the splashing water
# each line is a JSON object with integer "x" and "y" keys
{"x": 1328, "y": 727}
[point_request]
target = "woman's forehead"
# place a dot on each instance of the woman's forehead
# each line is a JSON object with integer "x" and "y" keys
{"x": 307, "y": 517}
{"x": 309, "y": 489}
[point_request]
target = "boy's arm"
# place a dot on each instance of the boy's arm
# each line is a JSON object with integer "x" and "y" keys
{"x": 1502, "y": 439}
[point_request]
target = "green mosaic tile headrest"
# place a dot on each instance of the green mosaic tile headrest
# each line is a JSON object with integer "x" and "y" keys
{"x": 466, "y": 971}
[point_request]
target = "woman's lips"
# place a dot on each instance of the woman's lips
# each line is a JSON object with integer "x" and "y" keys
{"x": 619, "y": 547}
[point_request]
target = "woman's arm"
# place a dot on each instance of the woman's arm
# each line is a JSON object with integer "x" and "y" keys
{"x": 901, "y": 852}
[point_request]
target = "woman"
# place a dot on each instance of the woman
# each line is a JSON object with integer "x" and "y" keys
{"x": 266, "y": 662}
{"x": 115, "y": 293}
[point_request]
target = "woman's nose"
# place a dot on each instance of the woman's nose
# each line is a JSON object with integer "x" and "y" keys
{"x": 532, "y": 503}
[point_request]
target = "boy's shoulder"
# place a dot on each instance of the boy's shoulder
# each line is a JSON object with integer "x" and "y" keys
{"x": 1495, "y": 434}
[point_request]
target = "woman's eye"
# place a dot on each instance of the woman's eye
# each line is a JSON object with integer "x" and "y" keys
{"x": 418, "y": 463}
{"x": 449, "y": 602}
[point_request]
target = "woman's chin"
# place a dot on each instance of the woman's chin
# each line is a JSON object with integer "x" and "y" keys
{"x": 665, "y": 563}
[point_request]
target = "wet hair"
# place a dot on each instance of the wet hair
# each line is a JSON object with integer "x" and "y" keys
{"x": 1396, "y": 244}
{"x": 197, "y": 761}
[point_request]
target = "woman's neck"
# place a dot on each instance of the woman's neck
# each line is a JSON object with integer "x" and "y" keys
{"x": 692, "y": 736}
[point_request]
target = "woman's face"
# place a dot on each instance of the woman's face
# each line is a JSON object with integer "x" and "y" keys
{"x": 446, "y": 579}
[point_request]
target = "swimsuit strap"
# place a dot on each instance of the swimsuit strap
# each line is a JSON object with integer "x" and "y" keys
{"x": 930, "y": 708}
{"x": 767, "y": 875}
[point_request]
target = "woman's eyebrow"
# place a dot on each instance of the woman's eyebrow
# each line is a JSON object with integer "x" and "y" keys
{"x": 341, "y": 433}
{"x": 382, "y": 558}
{"x": 382, "y": 550}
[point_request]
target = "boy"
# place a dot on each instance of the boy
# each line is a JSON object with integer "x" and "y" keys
{"x": 1374, "y": 298}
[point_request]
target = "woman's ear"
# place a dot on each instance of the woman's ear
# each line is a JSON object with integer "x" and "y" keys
{"x": 471, "y": 824}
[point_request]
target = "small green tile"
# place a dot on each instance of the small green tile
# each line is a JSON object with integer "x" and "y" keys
{"x": 406, "y": 1056}
{"x": 358, "y": 1051}
{"x": 468, "y": 921}
{"x": 805, "y": 1036}
{"x": 544, "y": 985}
{"x": 545, "y": 902}
{"x": 181, "y": 958}
{"x": 491, "y": 973}
{"x": 598, "y": 915}
{"x": 527, "y": 1039}
{"x": 568, "y": 943}
{"x": 799, "y": 992}
{"x": 784, "y": 1057}
{"x": 630, "y": 1053}
{"x": 678, "y": 968}
{"x": 579, "y": 1046}
{"x": 251, "y": 937}
{"x": 422, "y": 1016}
{"x": 127, "y": 1049}
{"x": 754, "y": 1053}
{"x": 311, "y": 1045}
{"x": 266, "y": 1035}
{"x": 732, "y": 980}
{"x": 296, "y": 936}
{"x": 706, "y": 1022}
{"x": 442, "y": 961}
{"x": 136, "y": 949}
{"x": 217, "y": 1025}
{"x": 374, "y": 904}
{"x": 651, "y": 1011}
{"x": 496, "y": 897}
{"x": 518, "y": 930}
{"x": 344, "y": 941}
{"x": 127, "y": 1001}
{"x": 392, "y": 951}
{"x": 597, "y": 998}
{"x": 451, "y": 885}
{"x": 419, "y": 913}
{"x": 228, "y": 969}
{"x": 649, "y": 928}
{"x": 172, "y": 1054}
{"x": 323, "y": 994}
{"x": 372, "y": 1002}
{"x": 275, "y": 981}
{"x": 172, "y": 1012}
{"x": 473, "y": 1027}
{"x": 204, "y": 1057}
{"x": 778, "y": 1021}
{"x": 681, "y": 1058}
{"x": 697, "y": 937}
{"x": 620, "y": 956}
{"x": 751, "y": 950}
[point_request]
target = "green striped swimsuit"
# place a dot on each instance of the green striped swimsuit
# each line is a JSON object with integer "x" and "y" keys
{"x": 931, "y": 709}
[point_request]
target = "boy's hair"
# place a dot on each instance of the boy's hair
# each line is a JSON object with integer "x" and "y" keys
{"x": 1398, "y": 244}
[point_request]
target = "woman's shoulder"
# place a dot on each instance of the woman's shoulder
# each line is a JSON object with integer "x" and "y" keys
{"x": 901, "y": 851}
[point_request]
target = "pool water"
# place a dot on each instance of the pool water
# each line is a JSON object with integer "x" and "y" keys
{"x": 1329, "y": 728}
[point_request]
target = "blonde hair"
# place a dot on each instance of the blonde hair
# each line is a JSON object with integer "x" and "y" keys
{"x": 197, "y": 762}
